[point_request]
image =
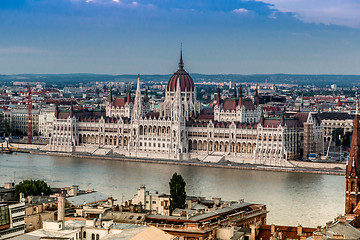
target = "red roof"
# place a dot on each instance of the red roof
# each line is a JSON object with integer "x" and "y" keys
{"x": 231, "y": 104}
{"x": 186, "y": 82}
{"x": 287, "y": 232}
{"x": 119, "y": 102}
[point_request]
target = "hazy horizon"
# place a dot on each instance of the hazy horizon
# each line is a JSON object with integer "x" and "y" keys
{"x": 218, "y": 37}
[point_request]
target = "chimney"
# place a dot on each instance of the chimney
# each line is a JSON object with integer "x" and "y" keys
{"x": 318, "y": 236}
{"x": 189, "y": 204}
{"x": 216, "y": 201}
{"x": 61, "y": 209}
{"x": 22, "y": 197}
{"x": 341, "y": 219}
{"x": 253, "y": 232}
{"x": 183, "y": 213}
{"x": 299, "y": 230}
{"x": 272, "y": 228}
{"x": 328, "y": 223}
{"x": 74, "y": 190}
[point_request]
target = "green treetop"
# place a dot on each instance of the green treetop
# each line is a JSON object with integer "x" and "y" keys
{"x": 177, "y": 192}
{"x": 32, "y": 188}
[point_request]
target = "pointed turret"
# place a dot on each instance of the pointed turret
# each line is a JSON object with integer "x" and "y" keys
{"x": 262, "y": 118}
{"x": 137, "y": 111}
{"x": 181, "y": 63}
{"x": 72, "y": 110}
{"x": 56, "y": 111}
{"x": 128, "y": 99}
{"x": 240, "y": 96}
{"x": 282, "y": 118}
{"x": 146, "y": 97}
{"x": 218, "y": 101}
{"x": 110, "y": 98}
{"x": 353, "y": 168}
{"x": 256, "y": 97}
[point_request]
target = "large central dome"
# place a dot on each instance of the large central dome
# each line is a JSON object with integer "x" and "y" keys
{"x": 186, "y": 82}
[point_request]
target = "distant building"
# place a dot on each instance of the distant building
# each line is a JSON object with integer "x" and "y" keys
{"x": 18, "y": 118}
{"x": 46, "y": 121}
{"x": 334, "y": 120}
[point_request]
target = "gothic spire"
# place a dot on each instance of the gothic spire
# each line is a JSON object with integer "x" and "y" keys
{"x": 353, "y": 168}
{"x": 181, "y": 63}
{"x": 56, "y": 110}
{"x": 137, "y": 103}
{"x": 128, "y": 100}
{"x": 282, "y": 118}
{"x": 138, "y": 84}
{"x": 256, "y": 98}
{"x": 262, "y": 118}
{"x": 218, "y": 101}
{"x": 146, "y": 97}
{"x": 71, "y": 110}
{"x": 235, "y": 95}
{"x": 110, "y": 96}
{"x": 357, "y": 105}
{"x": 240, "y": 96}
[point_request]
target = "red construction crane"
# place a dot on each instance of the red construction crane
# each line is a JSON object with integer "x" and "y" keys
{"x": 29, "y": 115}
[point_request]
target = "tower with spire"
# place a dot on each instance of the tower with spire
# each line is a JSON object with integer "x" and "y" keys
{"x": 352, "y": 195}
{"x": 137, "y": 109}
{"x": 181, "y": 80}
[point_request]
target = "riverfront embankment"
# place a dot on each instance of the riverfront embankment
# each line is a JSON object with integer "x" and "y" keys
{"x": 329, "y": 168}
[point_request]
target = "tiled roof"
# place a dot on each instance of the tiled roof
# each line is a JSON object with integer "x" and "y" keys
{"x": 335, "y": 116}
{"x": 186, "y": 82}
{"x": 287, "y": 232}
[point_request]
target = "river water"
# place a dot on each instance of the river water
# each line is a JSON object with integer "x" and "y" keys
{"x": 291, "y": 198}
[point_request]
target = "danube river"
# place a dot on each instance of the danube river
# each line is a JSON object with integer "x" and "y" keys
{"x": 291, "y": 198}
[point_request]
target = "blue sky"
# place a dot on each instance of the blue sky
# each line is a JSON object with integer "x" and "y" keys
{"x": 144, "y": 36}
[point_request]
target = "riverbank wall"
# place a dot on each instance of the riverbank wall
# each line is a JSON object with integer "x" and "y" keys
{"x": 299, "y": 166}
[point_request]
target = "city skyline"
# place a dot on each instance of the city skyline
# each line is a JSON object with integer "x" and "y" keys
{"x": 130, "y": 37}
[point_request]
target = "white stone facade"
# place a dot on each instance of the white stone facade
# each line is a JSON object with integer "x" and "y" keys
{"x": 177, "y": 132}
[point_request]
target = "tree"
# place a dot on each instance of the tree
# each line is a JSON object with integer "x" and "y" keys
{"x": 32, "y": 188}
{"x": 347, "y": 140}
{"x": 177, "y": 192}
{"x": 337, "y": 135}
{"x": 7, "y": 128}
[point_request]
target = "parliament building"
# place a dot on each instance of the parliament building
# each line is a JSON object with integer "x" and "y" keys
{"x": 234, "y": 130}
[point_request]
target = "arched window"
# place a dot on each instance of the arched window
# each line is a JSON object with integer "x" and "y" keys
{"x": 93, "y": 236}
{"x": 84, "y": 234}
{"x": 97, "y": 236}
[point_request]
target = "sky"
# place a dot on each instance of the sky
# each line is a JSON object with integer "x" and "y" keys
{"x": 144, "y": 36}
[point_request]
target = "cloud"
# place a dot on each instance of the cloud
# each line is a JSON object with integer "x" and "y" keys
{"x": 240, "y": 10}
{"x": 328, "y": 12}
{"x": 21, "y": 50}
